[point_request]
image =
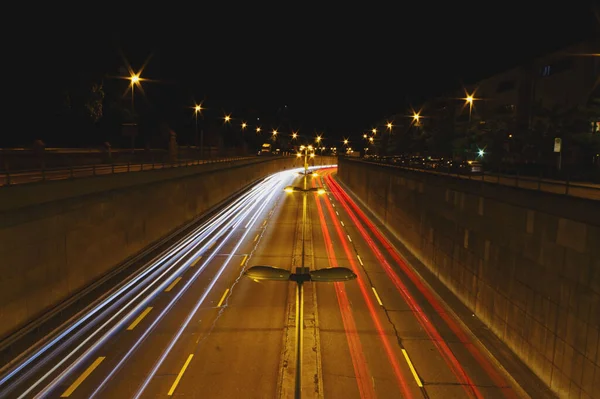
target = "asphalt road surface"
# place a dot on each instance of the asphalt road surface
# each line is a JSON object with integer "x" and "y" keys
{"x": 575, "y": 189}
{"x": 33, "y": 176}
{"x": 191, "y": 324}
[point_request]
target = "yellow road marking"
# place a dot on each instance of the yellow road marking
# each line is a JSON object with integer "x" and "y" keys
{"x": 244, "y": 260}
{"x": 360, "y": 260}
{"x": 139, "y": 318}
{"x": 223, "y": 298}
{"x": 342, "y": 223}
{"x": 336, "y": 212}
{"x": 264, "y": 223}
{"x": 350, "y": 239}
{"x": 173, "y": 284}
{"x": 196, "y": 261}
{"x": 333, "y": 205}
{"x": 412, "y": 369}
{"x": 82, "y": 377}
{"x": 187, "y": 362}
{"x": 377, "y": 296}
{"x": 256, "y": 238}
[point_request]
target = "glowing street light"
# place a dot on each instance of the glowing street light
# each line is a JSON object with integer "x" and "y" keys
{"x": 345, "y": 141}
{"x": 244, "y": 124}
{"x": 227, "y": 118}
{"x": 416, "y": 117}
{"x": 318, "y": 139}
{"x": 135, "y": 81}
{"x": 389, "y": 125}
{"x": 469, "y": 99}
{"x": 274, "y": 132}
{"x": 294, "y": 135}
{"x": 374, "y": 130}
{"x": 198, "y": 110}
{"x": 258, "y": 129}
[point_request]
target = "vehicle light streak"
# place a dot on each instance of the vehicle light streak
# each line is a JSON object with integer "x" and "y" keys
{"x": 198, "y": 234}
{"x": 191, "y": 314}
{"x": 253, "y": 196}
{"x": 436, "y": 338}
{"x": 149, "y": 275}
{"x": 359, "y": 362}
{"x": 483, "y": 362}
{"x": 406, "y": 393}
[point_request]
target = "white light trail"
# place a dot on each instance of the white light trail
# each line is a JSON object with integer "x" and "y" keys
{"x": 256, "y": 196}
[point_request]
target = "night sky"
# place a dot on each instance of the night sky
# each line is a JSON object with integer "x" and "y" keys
{"x": 338, "y": 70}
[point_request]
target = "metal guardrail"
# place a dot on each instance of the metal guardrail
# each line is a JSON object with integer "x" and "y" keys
{"x": 581, "y": 190}
{"x": 8, "y": 178}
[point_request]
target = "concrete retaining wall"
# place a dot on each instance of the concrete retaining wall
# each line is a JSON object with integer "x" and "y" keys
{"x": 58, "y": 237}
{"x": 526, "y": 263}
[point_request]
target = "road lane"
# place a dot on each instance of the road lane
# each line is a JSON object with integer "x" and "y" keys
{"x": 136, "y": 376}
{"x": 428, "y": 357}
{"x": 52, "y": 372}
{"x": 576, "y": 189}
{"x": 389, "y": 376}
{"x": 39, "y": 175}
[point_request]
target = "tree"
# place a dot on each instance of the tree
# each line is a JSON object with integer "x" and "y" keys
{"x": 94, "y": 102}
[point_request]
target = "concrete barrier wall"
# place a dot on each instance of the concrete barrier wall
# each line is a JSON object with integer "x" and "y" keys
{"x": 526, "y": 263}
{"x": 58, "y": 237}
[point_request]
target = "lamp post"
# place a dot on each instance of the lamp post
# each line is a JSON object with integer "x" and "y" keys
{"x": 302, "y": 275}
{"x": 135, "y": 80}
{"x": 197, "y": 110}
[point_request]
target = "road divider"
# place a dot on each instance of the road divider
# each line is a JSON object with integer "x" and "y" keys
{"x": 173, "y": 284}
{"x": 176, "y": 382}
{"x": 223, "y": 298}
{"x": 412, "y": 368}
{"x": 139, "y": 318}
{"x": 377, "y": 296}
{"x": 82, "y": 377}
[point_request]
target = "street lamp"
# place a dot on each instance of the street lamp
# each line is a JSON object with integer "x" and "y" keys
{"x": 135, "y": 80}
{"x": 244, "y": 124}
{"x": 469, "y": 99}
{"x": 302, "y": 275}
{"x": 227, "y": 118}
{"x": 374, "y": 130}
{"x": 197, "y": 110}
{"x": 416, "y": 117}
{"x": 258, "y": 129}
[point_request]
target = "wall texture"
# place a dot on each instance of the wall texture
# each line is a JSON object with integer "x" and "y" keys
{"x": 526, "y": 263}
{"x": 58, "y": 237}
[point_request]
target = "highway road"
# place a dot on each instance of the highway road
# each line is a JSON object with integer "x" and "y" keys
{"x": 190, "y": 324}
{"x": 38, "y": 175}
{"x": 575, "y": 189}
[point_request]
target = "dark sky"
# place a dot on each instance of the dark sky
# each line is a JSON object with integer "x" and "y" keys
{"x": 338, "y": 69}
